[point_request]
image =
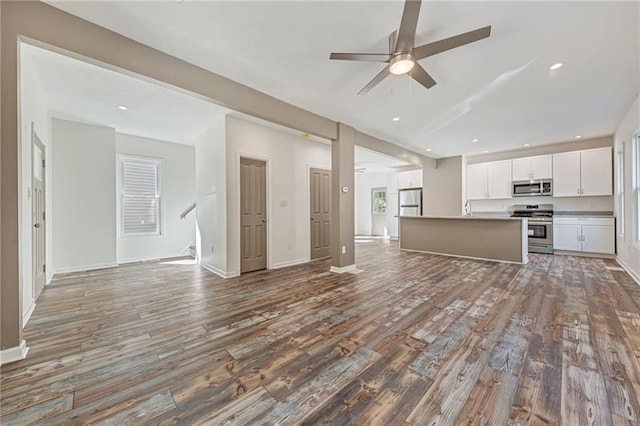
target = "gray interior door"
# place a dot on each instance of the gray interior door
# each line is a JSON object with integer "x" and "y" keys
{"x": 253, "y": 215}
{"x": 320, "y": 191}
{"x": 38, "y": 214}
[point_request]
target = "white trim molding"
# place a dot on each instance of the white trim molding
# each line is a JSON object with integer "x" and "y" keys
{"x": 351, "y": 269}
{"x": 85, "y": 268}
{"x": 218, "y": 271}
{"x": 629, "y": 271}
{"x": 14, "y": 354}
{"x": 27, "y": 314}
{"x": 289, "y": 263}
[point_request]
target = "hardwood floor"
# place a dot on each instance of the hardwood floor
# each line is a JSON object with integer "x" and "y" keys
{"x": 414, "y": 339}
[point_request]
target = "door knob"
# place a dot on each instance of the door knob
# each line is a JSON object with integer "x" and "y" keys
{"x": 36, "y": 225}
{"x": 264, "y": 220}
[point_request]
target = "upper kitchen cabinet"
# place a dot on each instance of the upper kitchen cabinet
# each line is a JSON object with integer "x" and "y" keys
{"x": 489, "y": 180}
{"x": 528, "y": 168}
{"x": 410, "y": 179}
{"x": 583, "y": 173}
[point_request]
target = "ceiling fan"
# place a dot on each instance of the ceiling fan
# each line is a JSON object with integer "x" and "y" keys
{"x": 403, "y": 57}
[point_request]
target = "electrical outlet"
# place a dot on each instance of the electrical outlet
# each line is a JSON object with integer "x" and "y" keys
{"x": 211, "y": 248}
{"x": 289, "y": 246}
{"x": 344, "y": 249}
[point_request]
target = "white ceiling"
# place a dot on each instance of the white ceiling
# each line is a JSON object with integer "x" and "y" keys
{"x": 367, "y": 161}
{"x": 81, "y": 91}
{"x": 499, "y": 90}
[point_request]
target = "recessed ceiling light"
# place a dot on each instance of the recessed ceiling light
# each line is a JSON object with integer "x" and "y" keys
{"x": 527, "y": 144}
{"x": 474, "y": 140}
{"x": 396, "y": 118}
{"x": 485, "y": 151}
{"x": 122, "y": 107}
{"x": 556, "y": 66}
{"x": 428, "y": 149}
{"x": 578, "y": 137}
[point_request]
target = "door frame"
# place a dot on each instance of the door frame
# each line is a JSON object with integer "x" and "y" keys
{"x": 35, "y": 140}
{"x": 267, "y": 160}
{"x": 308, "y": 189}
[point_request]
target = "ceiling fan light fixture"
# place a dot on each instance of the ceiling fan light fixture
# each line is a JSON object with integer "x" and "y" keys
{"x": 401, "y": 64}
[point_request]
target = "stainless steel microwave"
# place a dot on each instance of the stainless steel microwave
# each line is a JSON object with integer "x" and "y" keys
{"x": 532, "y": 188}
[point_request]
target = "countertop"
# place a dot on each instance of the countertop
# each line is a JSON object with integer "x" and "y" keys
{"x": 583, "y": 214}
{"x": 465, "y": 217}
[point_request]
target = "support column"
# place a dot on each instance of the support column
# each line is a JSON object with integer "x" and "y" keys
{"x": 342, "y": 200}
{"x": 12, "y": 346}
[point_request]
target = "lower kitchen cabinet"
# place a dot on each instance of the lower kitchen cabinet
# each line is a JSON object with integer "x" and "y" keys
{"x": 585, "y": 234}
{"x": 566, "y": 236}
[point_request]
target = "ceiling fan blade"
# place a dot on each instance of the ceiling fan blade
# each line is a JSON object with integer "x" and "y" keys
{"x": 407, "y": 31}
{"x": 369, "y": 57}
{"x": 443, "y": 45}
{"x": 377, "y": 79}
{"x": 421, "y": 76}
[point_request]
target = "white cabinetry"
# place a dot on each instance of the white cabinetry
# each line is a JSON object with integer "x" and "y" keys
{"x": 586, "y": 234}
{"x": 410, "y": 179}
{"x": 527, "y": 168}
{"x": 489, "y": 180}
{"x": 583, "y": 173}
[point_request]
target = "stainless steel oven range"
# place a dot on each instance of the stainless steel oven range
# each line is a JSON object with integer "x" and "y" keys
{"x": 540, "y": 225}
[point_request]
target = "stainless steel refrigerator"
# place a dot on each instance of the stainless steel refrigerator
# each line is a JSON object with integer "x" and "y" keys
{"x": 410, "y": 202}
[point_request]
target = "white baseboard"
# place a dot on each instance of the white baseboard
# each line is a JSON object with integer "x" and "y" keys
{"x": 14, "y": 354}
{"x": 289, "y": 263}
{"x": 348, "y": 269}
{"x": 218, "y": 271}
{"x": 150, "y": 259}
{"x": 27, "y": 314}
{"x": 630, "y": 271}
{"x": 83, "y": 268}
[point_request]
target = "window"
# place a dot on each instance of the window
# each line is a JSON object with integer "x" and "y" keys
{"x": 620, "y": 190}
{"x": 379, "y": 200}
{"x": 139, "y": 196}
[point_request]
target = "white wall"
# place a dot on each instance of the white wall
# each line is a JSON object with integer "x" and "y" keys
{"x": 84, "y": 214}
{"x": 33, "y": 109}
{"x": 288, "y": 159}
{"x": 561, "y": 204}
{"x": 178, "y": 191}
{"x": 628, "y": 249}
{"x": 363, "y": 184}
{"x": 211, "y": 198}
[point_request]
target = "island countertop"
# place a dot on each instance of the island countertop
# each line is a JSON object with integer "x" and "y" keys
{"x": 483, "y": 217}
{"x": 499, "y": 238}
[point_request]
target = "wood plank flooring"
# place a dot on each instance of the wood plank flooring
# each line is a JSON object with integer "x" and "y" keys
{"x": 414, "y": 339}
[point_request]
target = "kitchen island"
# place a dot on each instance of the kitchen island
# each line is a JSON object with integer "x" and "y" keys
{"x": 481, "y": 237}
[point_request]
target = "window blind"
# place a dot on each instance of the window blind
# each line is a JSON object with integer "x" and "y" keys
{"x": 140, "y": 197}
